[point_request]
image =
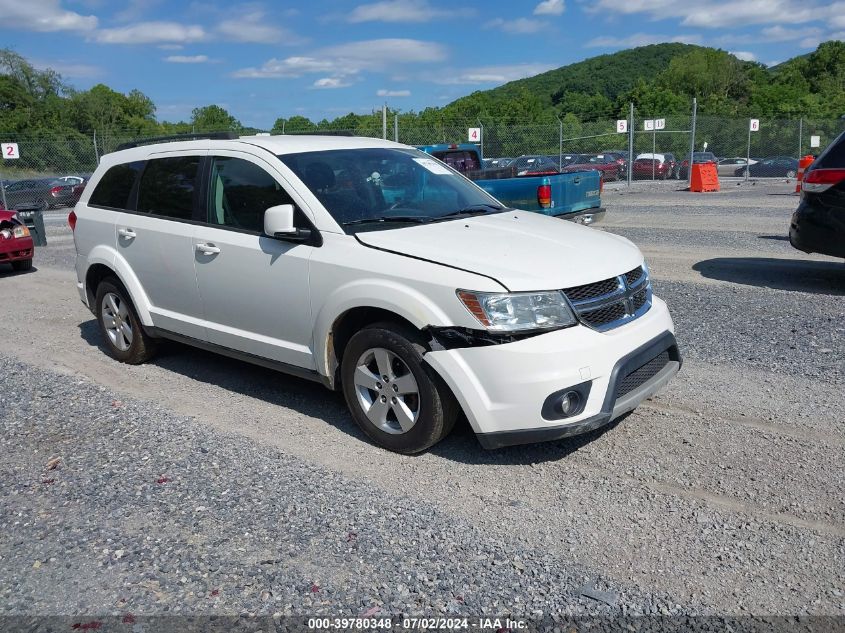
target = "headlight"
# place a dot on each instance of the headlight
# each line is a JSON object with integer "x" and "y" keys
{"x": 20, "y": 231}
{"x": 518, "y": 311}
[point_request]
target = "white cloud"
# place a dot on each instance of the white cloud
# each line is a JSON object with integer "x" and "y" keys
{"x": 640, "y": 39}
{"x": 746, "y": 56}
{"x": 349, "y": 59}
{"x": 331, "y": 82}
{"x": 402, "y": 11}
{"x": 485, "y": 74}
{"x": 187, "y": 59}
{"x": 44, "y": 16}
{"x": 810, "y": 42}
{"x": 393, "y": 93}
{"x": 254, "y": 27}
{"x": 151, "y": 33}
{"x": 550, "y": 7}
{"x": 69, "y": 69}
{"x": 519, "y": 26}
{"x": 783, "y": 34}
{"x": 722, "y": 14}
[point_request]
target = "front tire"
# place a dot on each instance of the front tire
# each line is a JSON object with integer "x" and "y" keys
{"x": 120, "y": 326}
{"x": 394, "y": 396}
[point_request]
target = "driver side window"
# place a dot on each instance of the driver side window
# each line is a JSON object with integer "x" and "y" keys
{"x": 239, "y": 192}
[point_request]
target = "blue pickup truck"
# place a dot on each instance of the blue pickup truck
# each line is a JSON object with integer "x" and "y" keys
{"x": 573, "y": 196}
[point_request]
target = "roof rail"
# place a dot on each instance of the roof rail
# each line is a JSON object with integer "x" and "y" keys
{"x": 178, "y": 137}
{"x": 321, "y": 133}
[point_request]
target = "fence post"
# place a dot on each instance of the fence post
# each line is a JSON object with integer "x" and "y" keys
{"x": 395, "y": 128}
{"x": 630, "y": 142}
{"x": 560, "y": 151}
{"x": 96, "y": 153}
{"x": 748, "y": 153}
{"x": 692, "y": 139}
{"x": 481, "y": 137}
{"x": 800, "y": 136}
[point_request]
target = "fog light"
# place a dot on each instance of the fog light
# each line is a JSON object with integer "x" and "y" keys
{"x": 568, "y": 402}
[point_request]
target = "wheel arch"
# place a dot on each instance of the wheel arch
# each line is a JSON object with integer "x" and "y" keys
{"x": 104, "y": 262}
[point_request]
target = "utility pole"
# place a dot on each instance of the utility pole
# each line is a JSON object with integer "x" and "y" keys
{"x": 384, "y": 121}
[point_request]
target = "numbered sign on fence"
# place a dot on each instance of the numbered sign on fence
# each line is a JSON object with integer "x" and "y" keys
{"x": 621, "y": 125}
{"x": 815, "y": 141}
{"x": 660, "y": 124}
{"x": 10, "y": 150}
{"x": 648, "y": 125}
{"x": 474, "y": 134}
{"x": 754, "y": 125}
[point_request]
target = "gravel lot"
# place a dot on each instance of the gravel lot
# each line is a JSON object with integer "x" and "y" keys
{"x": 722, "y": 495}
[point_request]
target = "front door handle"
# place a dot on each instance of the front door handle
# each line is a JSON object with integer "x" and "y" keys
{"x": 127, "y": 233}
{"x": 207, "y": 249}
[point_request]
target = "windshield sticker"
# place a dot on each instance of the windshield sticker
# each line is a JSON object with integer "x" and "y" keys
{"x": 433, "y": 166}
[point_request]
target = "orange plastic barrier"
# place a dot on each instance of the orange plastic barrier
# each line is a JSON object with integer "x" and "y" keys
{"x": 704, "y": 177}
{"x": 803, "y": 163}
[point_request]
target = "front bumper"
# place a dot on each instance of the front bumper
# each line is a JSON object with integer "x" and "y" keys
{"x": 16, "y": 249}
{"x": 502, "y": 388}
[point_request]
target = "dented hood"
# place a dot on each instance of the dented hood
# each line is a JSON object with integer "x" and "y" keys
{"x": 521, "y": 250}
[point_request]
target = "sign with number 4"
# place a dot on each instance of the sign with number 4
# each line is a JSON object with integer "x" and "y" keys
{"x": 754, "y": 125}
{"x": 10, "y": 150}
{"x": 475, "y": 134}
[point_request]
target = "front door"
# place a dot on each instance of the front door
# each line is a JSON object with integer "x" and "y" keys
{"x": 254, "y": 288}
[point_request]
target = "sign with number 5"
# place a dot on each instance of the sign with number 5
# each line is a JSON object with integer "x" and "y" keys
{"x": 10, "y": 150}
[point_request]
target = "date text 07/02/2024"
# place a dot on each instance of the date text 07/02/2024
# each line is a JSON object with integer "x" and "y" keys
{"x": 417, "y": 623}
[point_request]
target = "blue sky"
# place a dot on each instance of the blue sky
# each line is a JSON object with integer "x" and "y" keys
{"x": 324, "y": 58}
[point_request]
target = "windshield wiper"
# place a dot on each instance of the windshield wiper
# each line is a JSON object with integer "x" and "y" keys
{"x": 474, "y": 209}
{"x": 418, "y": 219}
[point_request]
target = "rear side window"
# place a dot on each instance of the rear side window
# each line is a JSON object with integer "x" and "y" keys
{"x": 167, "y": 187}
{"x": 115, "y": 186}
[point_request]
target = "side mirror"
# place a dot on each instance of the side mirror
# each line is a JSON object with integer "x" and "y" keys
{"x": 278, "y": 221}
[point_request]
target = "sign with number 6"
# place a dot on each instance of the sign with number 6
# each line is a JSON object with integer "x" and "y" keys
{"x": 10, "y": 150}
{"x": 754, "y": 125}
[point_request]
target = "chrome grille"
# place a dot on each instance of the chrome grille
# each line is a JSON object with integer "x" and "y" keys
{"x": 609, "y": 303}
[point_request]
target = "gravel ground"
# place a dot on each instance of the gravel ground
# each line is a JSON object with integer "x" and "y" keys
{"x": 147, "y": 512}
{"x": 721, "y": 495}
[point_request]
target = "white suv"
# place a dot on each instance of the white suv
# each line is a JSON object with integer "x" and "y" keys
{"x": 373, "y": 268}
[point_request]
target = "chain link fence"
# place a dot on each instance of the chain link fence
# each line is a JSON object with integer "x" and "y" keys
{"x": 56, "y": 155}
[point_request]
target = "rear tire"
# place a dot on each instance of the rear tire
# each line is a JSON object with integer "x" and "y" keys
{"x": 394, "y": 396}
{"x": 22, "y": 265}
{"x": 120, "y": 326}
{"x": 790, "y": 174}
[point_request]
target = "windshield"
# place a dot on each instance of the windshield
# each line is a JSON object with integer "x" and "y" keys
{"x": 372, "y": 188}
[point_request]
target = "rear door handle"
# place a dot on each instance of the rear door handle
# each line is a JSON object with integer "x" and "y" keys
{"x": 126, "y": 233}
{"x": 207, "y": 249}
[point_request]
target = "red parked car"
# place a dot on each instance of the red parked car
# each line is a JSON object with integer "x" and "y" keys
{"x": 16, "y": 247}
{"x": 604, "y": 163}
{"x": 656, "y": 166}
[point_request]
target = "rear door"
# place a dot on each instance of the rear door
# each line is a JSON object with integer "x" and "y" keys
{"x": 254, "y": 288}
{"x": 156, "y": 241}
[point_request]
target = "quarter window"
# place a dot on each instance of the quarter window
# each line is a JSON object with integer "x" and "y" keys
{"x": 240, "y": 192}
{"x": 115, "y": 186}
{"x": 167, "y": 187}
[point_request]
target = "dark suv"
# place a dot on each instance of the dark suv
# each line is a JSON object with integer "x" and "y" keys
{"x": 818, "y": 224}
